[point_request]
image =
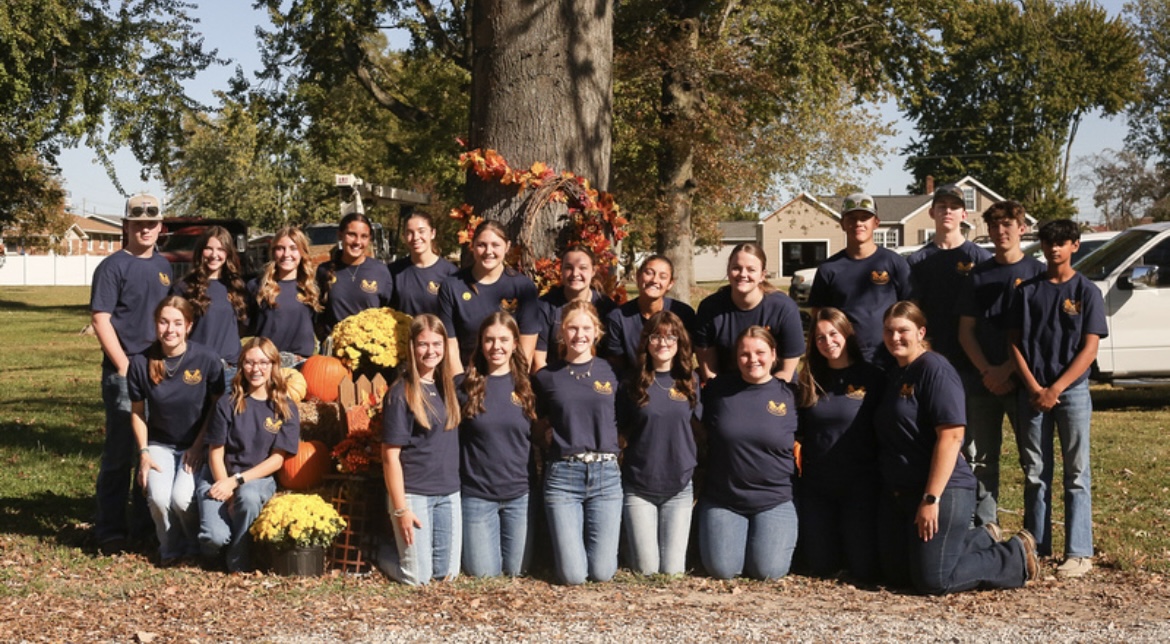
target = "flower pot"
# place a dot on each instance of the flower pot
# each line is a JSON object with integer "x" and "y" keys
{"x": 298, "y": 562}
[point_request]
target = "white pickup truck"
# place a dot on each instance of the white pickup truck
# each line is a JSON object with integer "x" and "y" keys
{"x": 1133, "y": 272}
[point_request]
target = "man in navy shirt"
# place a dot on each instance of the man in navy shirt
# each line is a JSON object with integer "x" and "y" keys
{"x": 1058, "y": 319}
{"x": 989, "y": 374}
{"x": 864, "y": 279}
{"x": 939, "y": 270}
{"x": 127, "y": 286}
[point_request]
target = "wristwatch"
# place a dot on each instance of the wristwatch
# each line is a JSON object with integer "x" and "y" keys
{"x": 929, "y": 499}
{"x": 239, "y": 479}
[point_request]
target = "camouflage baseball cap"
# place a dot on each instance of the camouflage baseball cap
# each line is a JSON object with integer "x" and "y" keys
{"x": 143, "y": 207}
{"x": 949, "y": 190}
{"x": 859, "y": 201}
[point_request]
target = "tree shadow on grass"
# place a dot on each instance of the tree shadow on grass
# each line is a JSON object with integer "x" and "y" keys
{"x": 17, "y": 305}
{"x": 51, "y": 439}
{"x": 49, "y": 515}
{"x": 1131, "y": 398}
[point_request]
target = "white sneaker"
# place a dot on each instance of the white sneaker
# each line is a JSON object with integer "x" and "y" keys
{"x": 1074, "y": 567}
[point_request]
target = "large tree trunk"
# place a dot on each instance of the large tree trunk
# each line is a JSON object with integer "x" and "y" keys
{"x": 682, "y": 101}
{"x": 542, "y": 90}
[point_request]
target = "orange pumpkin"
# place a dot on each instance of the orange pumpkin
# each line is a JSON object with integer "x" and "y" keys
{"x": 323, "y": 376}
{"x": 307, "y": 468}
{"x": 295, "y": 383}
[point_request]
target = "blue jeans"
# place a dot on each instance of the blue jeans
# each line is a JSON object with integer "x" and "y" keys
{"x": 983, "y": 442}
{"x": 223, "y": 525}
{"x": 657, "y": 531}
{"x": 435, "y": 552}
{"x": 170, "y": 493}
{"x": 495, "y": 537}
{"x": 838, "y": 530}
{"x": 957, "y": 558}
{"x": 583, "y": 502}
{"x": 1070, "y": 418}
{"x": 119, "y": 458}
{"x": 757, "y": 545}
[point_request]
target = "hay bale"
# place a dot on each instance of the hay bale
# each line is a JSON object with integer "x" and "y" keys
{"x": 322, "y": 421}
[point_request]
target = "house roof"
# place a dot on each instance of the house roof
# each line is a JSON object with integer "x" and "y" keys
{"x": 891, "y": 209}
{"x": 738, "y": 230}
{"x": 89, "y": 225}
{"x": 804, "y": 196}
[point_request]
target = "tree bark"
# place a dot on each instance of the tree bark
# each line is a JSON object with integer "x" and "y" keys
{"x": 682, "y": 102}
{"x": 542, "y": 90}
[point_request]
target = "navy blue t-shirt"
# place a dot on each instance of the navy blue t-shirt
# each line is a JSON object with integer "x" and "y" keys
{"x": 496, "y": 445}
{"x": 579, "y": 400}
{"x": 863, "y": 289}
{"x": 177, "y": 405}
{"x": 129, "y": 288}
{"x": 838, "y": 445}
{"x": 416, "y": 289}
{"x": 429, "y": 457}
{"x": 939, "y": 278}
{"x": 289, "y": 325}
{"x": 252, "y": 436}
{"x": 218, "y": 327}
{"x": 719, "y": 322}
{"x": 353, "y": 289}
{"x": 623, "y": 326}
{"x": 1053, "y": 320}
{"x": 660, "y": 454}
{"x": 988, "y": 299}
{"x": 463, "y": 309}
{"x": 551, "y": 304}
{"x": 750, "y": 434}
{"x": 918, "y": 399}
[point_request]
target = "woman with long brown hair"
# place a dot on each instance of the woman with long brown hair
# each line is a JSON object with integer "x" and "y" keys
{"x": 285, "y": 299}
{"x": 215, "y": 288}
{"x": 249, "y": 435}
{"x": 656, "y": 411}
{"x": 179, "y": 381}
{"x": 420, "y": 462}
{"x": 495, "y": 456}
{"x": 351, "y": 281}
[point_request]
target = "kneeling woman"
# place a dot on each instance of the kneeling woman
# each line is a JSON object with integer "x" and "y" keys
{"x": 747, "y": 521}
{"x": 583, "y": 485}
{"x": 655, "y": 412}
{"x": 496, "y": 448}
{"x": 180, "y": 382}
{"x": 928, "y": 490}
{"x": 249, "y": 435}
{"x": 420, "y": 462}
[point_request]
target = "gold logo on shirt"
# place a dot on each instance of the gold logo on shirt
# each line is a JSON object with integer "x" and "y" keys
{"x": 604, "y": 388}
{"x": 509, "y": 305}
{"x": 370, "y": 286}
{"x": 272, "y": 424}
{"x": 466, "y": 296}
{"x": 856, "y": 393}
{"x": 192, "y": 377}
{"x": 675, "y": 394}
{"x": 164, "y": 279}
{"x": 516, "y": 400}
{"x": 777, "y": 409}
{"x": 879, "y": 277}
{"x": 1016, "y": 284}
{"x": 333, "y": 279}
{"x": 907, "y": 391}
{"x": 964, "y": 267}
{"x": 433, "y": 287}
{"x": 1071, "y": 307}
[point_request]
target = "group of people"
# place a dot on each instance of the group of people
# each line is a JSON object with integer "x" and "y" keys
{"x": 515, "y": 415}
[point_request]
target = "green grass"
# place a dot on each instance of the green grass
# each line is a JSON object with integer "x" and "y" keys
{"x": 51, "y": 433}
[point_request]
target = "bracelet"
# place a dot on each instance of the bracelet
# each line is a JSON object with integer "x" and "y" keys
{"x": 143, "y": 450}
{"x": 398, "y": 514}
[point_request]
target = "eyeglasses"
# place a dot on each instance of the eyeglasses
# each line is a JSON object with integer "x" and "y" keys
{"x": 137, "y": 211}
{"x": 668, "y": 340}
{"x": 257, "y": 364}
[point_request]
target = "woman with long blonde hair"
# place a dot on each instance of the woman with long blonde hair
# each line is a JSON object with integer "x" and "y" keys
{"x": 285, "y": 299}
{"x": 420, "y": 462}
{"x": 249, "y": 435}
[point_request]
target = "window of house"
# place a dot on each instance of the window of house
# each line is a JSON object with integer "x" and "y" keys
{"x": 887, "y": 237}
{"x": 969, "y": 199}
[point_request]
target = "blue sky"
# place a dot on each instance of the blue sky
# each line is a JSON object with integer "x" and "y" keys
{"x": 230, "y": 28}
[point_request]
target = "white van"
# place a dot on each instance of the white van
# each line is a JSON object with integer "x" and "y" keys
{"x": 1133, "y": 272}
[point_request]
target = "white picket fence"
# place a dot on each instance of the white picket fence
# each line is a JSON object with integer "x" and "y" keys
{"x": 49, "y": 270}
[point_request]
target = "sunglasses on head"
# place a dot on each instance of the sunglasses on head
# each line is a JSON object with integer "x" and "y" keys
{"x": 149, "y": 211}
